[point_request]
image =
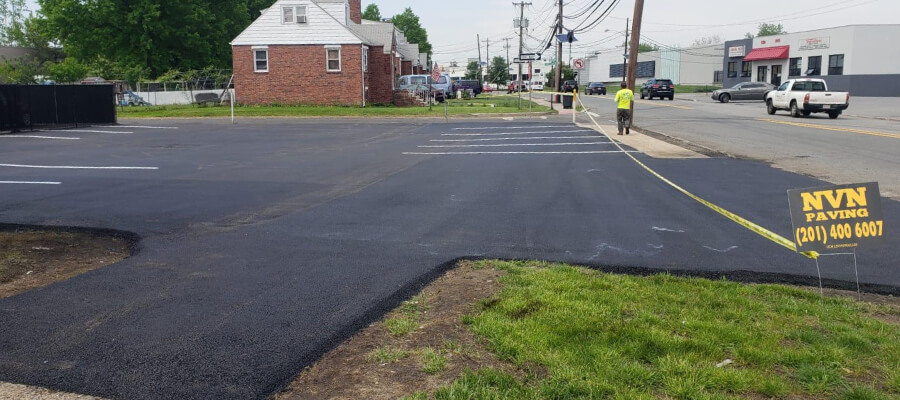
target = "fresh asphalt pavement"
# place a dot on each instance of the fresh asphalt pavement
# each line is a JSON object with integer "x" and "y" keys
{"x": 266, "y": 243}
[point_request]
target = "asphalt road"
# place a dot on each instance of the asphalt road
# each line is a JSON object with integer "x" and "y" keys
{"x": 846, "y": 150}
{"x": 267, "y": 243}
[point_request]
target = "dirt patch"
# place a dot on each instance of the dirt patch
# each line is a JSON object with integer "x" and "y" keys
{"x": 379, "y": 364}
{"x": 10, "y": 391}
{"x": 31, "y": 258}
{"x": 888, "y": 306}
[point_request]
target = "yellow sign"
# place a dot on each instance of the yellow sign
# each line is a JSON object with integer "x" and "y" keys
{"x": 836, "y": 217}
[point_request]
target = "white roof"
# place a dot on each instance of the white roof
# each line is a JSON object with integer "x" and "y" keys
{"x": 380, "y": 33}
{"x": 409, "y": 52}
{"x": 321, "y": 28}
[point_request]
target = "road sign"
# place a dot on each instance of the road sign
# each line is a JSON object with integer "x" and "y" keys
{"x": 530, "y": 56}
{"x": 520, "y": 61}
{"x": 578, "y": 63}
{"x": 567, "y": 37}
{"x": 833, "y": 218}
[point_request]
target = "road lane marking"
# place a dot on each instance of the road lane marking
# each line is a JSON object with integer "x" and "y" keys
{"x": 511, "y": 133}
{"x": 517, "y": 138}
{"x": 83, "y": 131}
{"x": 516, "y": 144}
{"x": 513, "y": 127}
{"x": 71, "y": 167}
{"x": 518, "y": 152}
{"x": 39, "y": 137}
{"x": 29, "y": 183}
{"x": 833, "y": 128}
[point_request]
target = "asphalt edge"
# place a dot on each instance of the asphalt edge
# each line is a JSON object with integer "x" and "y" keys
{"x": 133, "y": 240}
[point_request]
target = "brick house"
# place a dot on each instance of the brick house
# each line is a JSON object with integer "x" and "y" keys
{"x": 316, "y": 52}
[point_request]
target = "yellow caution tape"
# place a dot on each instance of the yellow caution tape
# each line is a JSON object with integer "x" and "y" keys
{"x": 781, "y": 240}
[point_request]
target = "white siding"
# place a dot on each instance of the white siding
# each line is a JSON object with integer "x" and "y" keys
{"x": 337, "y": 10}
{"x": 322, "y": 28}
{"x": 874, "y": 51}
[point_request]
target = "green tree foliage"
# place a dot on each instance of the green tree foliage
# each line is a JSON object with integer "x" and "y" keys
{"x": 20, "y": 70}
{"x": 372, "y": 13}
{"x": 647, "y": 47}
{"x": 498, "y": 72}
{"x": 408, "y": 23}
{"x": 255, "y": 7}
{"x": 770, "y": 29}
{"x": 67, "y": 71}
{"x": 150, "y": 36}
{"x": 567, "y": 74}
{"x": 473, "y": 71}
{"x": 12, "y": 13}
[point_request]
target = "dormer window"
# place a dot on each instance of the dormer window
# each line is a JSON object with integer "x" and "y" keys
{"x": 295, "y": 14}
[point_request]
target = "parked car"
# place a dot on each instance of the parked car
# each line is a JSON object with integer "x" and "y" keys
{"x": 421, "y": 85}
{"x": 807, "y": 96}
{"x": 596, "y": 88}
{"x": 407, "y": 81}
{"x": 444, "y": 84}
{"x": 569, "y": 86}
{"x": 658, "y": 88}
{"x": 470, "y": 84}
{"x": 536, "y": 86}
{"x": 511, "y": 87}
{"x": 743, "y": 91}
{"x": 489, "y": 88}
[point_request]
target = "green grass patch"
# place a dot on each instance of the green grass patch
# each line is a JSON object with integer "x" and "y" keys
{"x": 696, "y": 88}
{"x": 482, "y": 104}
{"x": 386, "y": 355}
{"x": 407, "y": 317}
{"x": 433, "y": 361}
{"x": 623, "y": 337}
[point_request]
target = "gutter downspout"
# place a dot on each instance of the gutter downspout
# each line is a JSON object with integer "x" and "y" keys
{"x": 362, "y": 72}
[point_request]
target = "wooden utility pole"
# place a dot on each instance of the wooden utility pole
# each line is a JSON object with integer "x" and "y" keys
{"x": 478, "y": 38}
{"x": 625, "y": 54}
{"x": 487, "y": 55}
{"x": 633, "y": 49}
{"x": 559, "y": 31}
{"x": 521, "y": 44}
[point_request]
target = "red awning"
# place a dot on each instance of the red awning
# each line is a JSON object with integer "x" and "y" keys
{"x": 768, "y": 53}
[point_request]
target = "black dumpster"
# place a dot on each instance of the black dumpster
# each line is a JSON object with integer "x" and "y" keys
{"x": 567, "y": 102}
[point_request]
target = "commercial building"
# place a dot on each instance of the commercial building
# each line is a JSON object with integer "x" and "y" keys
{"x": 859, "y": 59}
{"x": 699, "y": 65}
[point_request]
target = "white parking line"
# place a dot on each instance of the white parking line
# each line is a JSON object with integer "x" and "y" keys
{"x": 71, "y": 167}
{"x": 84, "y": 131}
{"x": 518, "y": 152}
{"x": 513, "y": 133}
{"x": 516, "y": 144}
{"x": 146, "y": 127}
{"x": 30, "y": 183}
{"x": 515, "y": 127}
{"x": 586, "y": 137}
{"x": 39, "y": 137}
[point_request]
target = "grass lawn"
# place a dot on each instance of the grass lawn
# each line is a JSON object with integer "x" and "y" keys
{"x": 480, "y": 105}
{"x": 695, "y": 88}
{"x": 587, "y": 334}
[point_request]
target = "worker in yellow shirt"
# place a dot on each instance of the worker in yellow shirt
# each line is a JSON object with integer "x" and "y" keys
{"x": 625, "y": 100}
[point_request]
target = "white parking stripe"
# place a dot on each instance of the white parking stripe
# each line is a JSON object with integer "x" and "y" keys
{"x": 39, "y": 137}
{"x": 516, "y": 144}
{"x": 519, "y": 152}
{"x": 515, "y": 127}
{"x": 513, "y": 133}
{"x": 83, "y": 131}
{"x": 585, "y": 137}
{"x": 31, "y": 183}
{"x": 146, "y": 127}
{"x": 70, "y": 167}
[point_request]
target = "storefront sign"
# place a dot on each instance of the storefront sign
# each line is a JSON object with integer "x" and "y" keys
{"x": 819, "y": 43}
{"x": 831, "y": 218}
{"x": 736, "y": 51}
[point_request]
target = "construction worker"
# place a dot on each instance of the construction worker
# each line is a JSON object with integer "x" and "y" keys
{"x": 624, "y": 100}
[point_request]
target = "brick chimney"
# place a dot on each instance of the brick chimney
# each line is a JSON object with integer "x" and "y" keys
{"x": 355, "y": 10}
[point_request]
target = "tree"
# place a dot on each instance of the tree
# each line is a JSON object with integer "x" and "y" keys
{"x": 646, "y": 47}
{"x": 498, "y": 72}
{"x": 707, "y": 40}
{"x": 771, "y": 29}
{"x": 22, "y": 70}
{"x": 567, "y": 74}
{"x": 473, "y": 71}
{"x": 372, "y": 13}
{"x": 749, "y": 35}
{"x": 12, "y": 13}
{"x": 408, "y": 23}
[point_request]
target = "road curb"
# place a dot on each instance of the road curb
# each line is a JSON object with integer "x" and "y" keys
{"x": 684, "y": 143}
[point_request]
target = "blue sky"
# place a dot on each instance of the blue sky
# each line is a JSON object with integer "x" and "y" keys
{"x": 453, "y": 26}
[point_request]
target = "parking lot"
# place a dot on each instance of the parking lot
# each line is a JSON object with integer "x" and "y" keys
{"x": 266, "y": 243}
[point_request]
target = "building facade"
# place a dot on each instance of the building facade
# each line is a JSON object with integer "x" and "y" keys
{"x": 853, "y": 58}
{"x": 698, "y": 65}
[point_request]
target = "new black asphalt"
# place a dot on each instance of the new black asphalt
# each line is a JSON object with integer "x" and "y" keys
{"x": 266, "y": 243}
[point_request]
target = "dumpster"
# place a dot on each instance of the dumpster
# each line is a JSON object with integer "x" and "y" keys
{"x": 567, "y": 101}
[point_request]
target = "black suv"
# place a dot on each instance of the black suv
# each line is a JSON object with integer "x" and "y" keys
{"x": 569, "y": 86}
{"x": 596, "y": 88}
{"x": 658, "y": 88}
{"x": 473, "y": 85}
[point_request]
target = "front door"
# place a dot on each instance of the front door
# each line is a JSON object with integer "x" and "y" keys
{"x": 761, "y": 73}
{"x": 776, "y": 75}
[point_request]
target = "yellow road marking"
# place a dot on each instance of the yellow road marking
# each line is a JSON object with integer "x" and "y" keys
{"x": 834, "y": 128}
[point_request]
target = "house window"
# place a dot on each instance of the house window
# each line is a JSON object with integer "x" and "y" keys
{"x": 333, "y": 59}
{"x": 745, "y": 70}
{"x": 815, "y": 66}
{"x": 537, "y": 71}
{"x": 836, "y": 64}
{"x": 261, "y": 60}
{"x": 732, "y": 69}
{"x": 796, "y": 66}
{"x": 290, "y": 15}
{"x": 761, "y": 73}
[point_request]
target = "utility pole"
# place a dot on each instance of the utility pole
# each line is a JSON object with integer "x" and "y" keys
{"x": 507, "y": 54}
{"x": 633, "y": 49}
{"x": 559, "y": 31}
{"x": 478, "y": 38}
{"x": 487, "y": 55}
{"x": 625, "y": 52}
{"x": 522, "y": 24}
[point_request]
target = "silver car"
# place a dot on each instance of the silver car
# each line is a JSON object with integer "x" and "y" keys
{"x": 743, "y": 91}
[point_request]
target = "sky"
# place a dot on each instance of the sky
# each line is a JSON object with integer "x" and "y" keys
{"x": 453, "y": 26}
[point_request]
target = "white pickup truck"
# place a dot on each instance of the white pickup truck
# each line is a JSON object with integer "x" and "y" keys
{"x": 807, "y": 96}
